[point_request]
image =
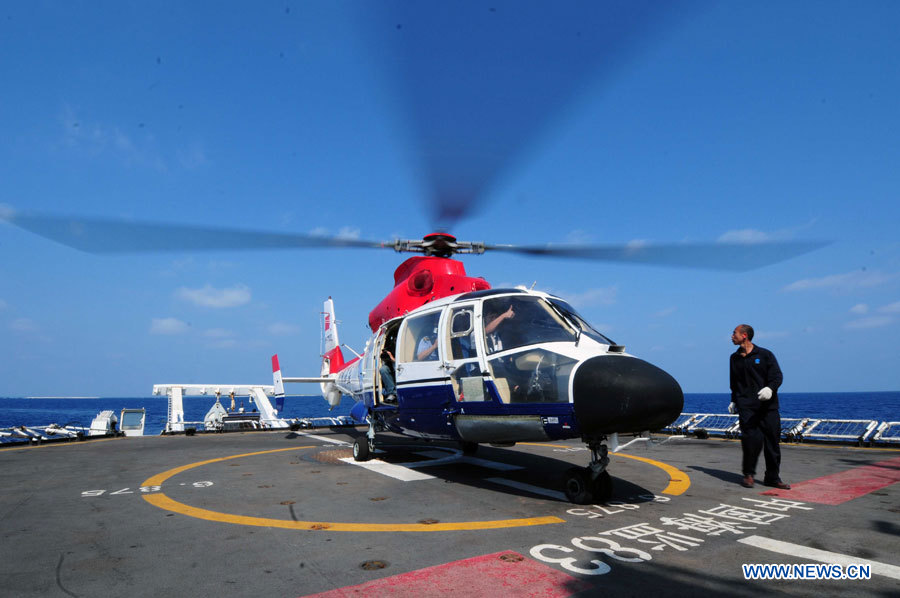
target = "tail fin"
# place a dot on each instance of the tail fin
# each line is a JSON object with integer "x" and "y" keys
{"x": 332, "y": 357}
{"x": 278, "y": 383}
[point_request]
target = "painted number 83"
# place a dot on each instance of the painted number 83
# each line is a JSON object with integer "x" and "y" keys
{"x": 610, "y": 548}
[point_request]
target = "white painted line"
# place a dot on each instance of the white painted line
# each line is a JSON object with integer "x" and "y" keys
{"x": 823, "y": 556}
{"x": 529, "y": 488}
{"x": 323, "y": 438}
{"x": 398, "y": 472}
{"x": 442, "y": 458}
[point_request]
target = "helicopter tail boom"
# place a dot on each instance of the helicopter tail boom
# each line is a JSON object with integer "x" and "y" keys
{"x": 329, "y": 391}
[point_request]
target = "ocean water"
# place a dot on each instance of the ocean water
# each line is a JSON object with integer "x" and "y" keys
{"x": 881, "y": 406}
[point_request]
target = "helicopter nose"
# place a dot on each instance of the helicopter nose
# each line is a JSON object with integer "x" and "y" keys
{"x": 619, "y": 393}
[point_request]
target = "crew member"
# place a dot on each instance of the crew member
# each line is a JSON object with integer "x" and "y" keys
{"x": 755, "y": 377}
{"x": 427, "y": 347}
{"x": 388, "y": 387}
{"x": 493, "y": 320}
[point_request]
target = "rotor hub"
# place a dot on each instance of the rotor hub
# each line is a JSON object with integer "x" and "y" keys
{"x": 438, "y": 245}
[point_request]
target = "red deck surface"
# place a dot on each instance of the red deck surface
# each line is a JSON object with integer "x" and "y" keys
{"x": 499, "y": 574}
{"x": 840, "y": 487}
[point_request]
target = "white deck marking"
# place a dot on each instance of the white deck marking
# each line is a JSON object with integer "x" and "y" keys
{"x": 823, "y": 556}
{"x": 398, "y": 472}
{"x": 323, "y": 438}
{"x": 442, "y": 458}
{"x": 529, "y": 488}
{"x": 403, "y": 472}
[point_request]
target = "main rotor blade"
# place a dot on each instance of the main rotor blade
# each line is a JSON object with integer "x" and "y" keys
{"x": 479, "y": 83}
{"x": 108, "y": 236}
{"x": 738, "y": 257}
{"x": 96, "y": 235}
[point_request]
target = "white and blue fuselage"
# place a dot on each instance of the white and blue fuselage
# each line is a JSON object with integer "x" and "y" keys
{"x": 501, "y": 365}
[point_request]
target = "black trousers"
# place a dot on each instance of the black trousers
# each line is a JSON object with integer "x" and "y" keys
{"x": 761, "y": 431}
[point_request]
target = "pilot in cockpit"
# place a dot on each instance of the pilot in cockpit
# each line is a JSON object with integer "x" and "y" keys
{"x": 493, "y": 319}
{"x": 426, "y": 350}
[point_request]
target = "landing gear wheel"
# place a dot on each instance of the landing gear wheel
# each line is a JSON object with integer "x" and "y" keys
{"x": 361, "y": 449}
{"x": 603, "y": 487}
{"x": 469, "y": 448}
{"x": 579, "y": 486}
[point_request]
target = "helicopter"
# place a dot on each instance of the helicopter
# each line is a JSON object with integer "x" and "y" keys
{"x": 472, "y": 364}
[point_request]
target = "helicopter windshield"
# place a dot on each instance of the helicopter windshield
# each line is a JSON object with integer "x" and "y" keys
{"x": 589, "y": 331}
{"x": 511, "y": 322}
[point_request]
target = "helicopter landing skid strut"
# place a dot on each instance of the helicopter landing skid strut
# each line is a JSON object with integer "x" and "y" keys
{"x": 585, "y": 485}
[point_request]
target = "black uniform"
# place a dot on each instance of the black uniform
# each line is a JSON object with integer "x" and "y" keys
{"x": 759, "y": 420}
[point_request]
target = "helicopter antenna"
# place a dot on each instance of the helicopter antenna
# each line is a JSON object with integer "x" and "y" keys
{"x": 349, "y": 348}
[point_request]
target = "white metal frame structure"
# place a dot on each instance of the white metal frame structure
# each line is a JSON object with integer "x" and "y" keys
{"x": 258, "y": 393}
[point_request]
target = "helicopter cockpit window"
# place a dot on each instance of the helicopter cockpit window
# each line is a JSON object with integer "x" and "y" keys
{"x": 511, "y": 322}
{"x": 573, "y": 316}
{"x": 419, "y": 338}
{"x": 532, "y": 376}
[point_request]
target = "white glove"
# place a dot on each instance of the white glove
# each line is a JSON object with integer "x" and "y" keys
{"x": 764, "y": 394}
{"x": 732, "y": 408}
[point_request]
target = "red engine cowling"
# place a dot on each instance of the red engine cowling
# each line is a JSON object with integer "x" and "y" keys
{"x": 421, "y": 279}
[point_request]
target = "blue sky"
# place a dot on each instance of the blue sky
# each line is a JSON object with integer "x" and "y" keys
{"x": 715, "y": 121}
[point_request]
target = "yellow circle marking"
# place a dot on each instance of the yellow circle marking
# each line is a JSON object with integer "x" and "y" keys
{"x": 679, "y": 481}
{"x": 164, "y": 502}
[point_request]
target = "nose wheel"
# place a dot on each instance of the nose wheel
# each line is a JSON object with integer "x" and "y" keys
{"x": 591, "y": 484}
{"x": 583, "y": 489}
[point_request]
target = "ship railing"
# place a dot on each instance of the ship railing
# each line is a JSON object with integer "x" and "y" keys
{"x": 887, "y": 432}
{"x": 792, "y": 427}
{"x": 339, "y": 421}
{"x": 245, "y": 421}
{"x": 192, "y": 425}
{"x": 679, "y": 426}
{"x": 252, "y": 421}
{"x": 854, "y": 430}
{"x": 714, "y": 424}
{"x": 19, "y": 434}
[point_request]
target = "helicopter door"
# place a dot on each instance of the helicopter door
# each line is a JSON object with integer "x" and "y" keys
{"x": 422, "y": 378}
{"x": 462, "y": 358}
{"x": 385, "y": 340}
{"x": 377, "y": 384}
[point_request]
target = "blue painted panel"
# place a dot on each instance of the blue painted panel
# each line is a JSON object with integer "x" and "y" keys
{"x": 426, "y": 411}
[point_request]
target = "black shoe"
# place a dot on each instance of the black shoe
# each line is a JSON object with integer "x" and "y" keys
{"x": 747, "y": 482}
{"x": 777, "y": 484}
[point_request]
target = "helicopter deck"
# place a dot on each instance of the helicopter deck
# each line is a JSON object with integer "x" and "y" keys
{"x": 291, "y": 514}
